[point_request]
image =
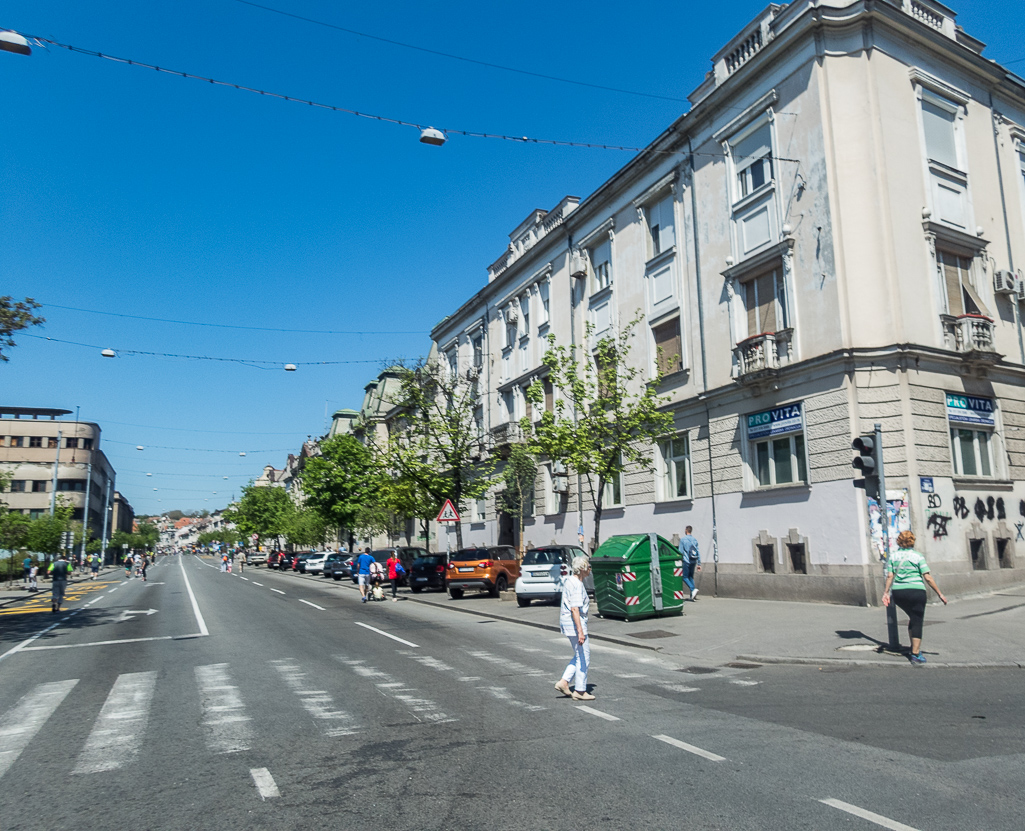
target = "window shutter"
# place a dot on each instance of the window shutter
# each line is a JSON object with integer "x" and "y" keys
{"x": 667, "y": 338}
{"x": 939, "y": 134}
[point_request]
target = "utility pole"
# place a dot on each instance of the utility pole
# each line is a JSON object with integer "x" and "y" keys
{"x": 884, "y": 518}
{"x": 56, "y": 463}
{"x": 103, "y": 536}
{"x": 85, "y": 511}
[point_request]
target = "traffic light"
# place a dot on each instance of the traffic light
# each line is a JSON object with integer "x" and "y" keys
{"x": 867, "y": 462}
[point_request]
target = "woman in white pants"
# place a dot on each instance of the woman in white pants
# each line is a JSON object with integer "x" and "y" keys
{"x": 573, "y": 623}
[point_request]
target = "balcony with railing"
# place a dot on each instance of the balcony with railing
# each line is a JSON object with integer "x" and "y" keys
{"x": 973, "y": 336}
{"x": 508, "y": 433}
{"x": 761, "y": 355}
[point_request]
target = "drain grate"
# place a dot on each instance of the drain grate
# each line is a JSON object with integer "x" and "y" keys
{"x": 652, "y": 634}
{"x": 699, "y": 670}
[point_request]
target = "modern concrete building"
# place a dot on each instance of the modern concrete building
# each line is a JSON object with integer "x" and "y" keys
{"x": 39, "y": 448}
{"x": 831, "y": 237}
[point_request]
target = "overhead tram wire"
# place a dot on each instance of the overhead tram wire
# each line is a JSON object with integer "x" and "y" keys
{"x": 449, "y": 55}
{"x": 42, "y": 42}
{"x": 254, "y": 363}
{"x": 235, "y": 450}
{"x": 233, "y": 326}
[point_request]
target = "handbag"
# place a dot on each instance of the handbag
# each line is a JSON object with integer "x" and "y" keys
{"x": 399, "y": 570}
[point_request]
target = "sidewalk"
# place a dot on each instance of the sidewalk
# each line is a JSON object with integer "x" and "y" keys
{"x": 20, "y": 592}
{"x": 983, "y": 632}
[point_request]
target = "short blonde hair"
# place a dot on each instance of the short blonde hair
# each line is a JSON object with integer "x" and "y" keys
{"x": 905, "y": 539}
{"x": 580, "y": 564}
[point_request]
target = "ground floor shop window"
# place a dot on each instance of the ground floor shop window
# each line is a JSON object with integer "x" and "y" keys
{"x": 780, "y": 461}
{"x": 676, "y": 468}
{"x": 970, "y": 450}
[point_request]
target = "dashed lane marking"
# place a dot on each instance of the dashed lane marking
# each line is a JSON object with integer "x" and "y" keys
{"x": 278, "y": 591}
{"x": 265, "y": 784}
{"x": 22, "y": 723}
{"x": 598, "y": 713}
{"x": 314, "y": 605}
{"x": 258, "y": 584}
{"x": 697, "y": 751}
{"x": 117, "y": 733}
{"x": 387, "y": 634}
{"x": 871, "y": 816}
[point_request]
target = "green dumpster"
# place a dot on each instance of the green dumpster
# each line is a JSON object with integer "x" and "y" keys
{"x": 638, "y": 576}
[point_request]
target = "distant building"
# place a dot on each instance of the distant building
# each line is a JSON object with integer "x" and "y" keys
{"x": 36, "y": 443}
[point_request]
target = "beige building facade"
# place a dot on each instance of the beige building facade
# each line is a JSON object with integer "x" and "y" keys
{"x": 832, "y": 237}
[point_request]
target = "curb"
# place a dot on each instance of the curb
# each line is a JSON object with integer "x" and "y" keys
{"x": 781, "y": 659}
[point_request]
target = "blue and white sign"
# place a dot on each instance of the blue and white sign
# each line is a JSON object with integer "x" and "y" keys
{"x": 968, "y": 409}
{"x": 775, "y": 422}
{"x": 926, "y": 483}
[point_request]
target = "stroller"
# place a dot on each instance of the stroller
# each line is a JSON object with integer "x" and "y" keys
{"x": 376, "y": 591}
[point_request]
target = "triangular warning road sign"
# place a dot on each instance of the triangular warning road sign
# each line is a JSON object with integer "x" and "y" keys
{"x": 448, "y": 512}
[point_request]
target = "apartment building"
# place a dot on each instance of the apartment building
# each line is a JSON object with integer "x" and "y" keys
{"x": 40, "y": 448}
{"x": 830, "y": 238}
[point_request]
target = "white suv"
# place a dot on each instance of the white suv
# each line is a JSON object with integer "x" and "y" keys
{"x": 543, "y": 571}
{"x": 315, "y": 562}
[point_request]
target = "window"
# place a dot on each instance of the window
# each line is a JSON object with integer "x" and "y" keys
{"x": 938, "y": 120}
{"x": 752, "y": 160}
{"x": 525, "y": 314}
{"x": 51, "y": 442}
{"x": 87, "y": 444}
{"x": 35, "y": 513}
{"x": 676, "y": 468}
{"x": 549, "y": 395}
{"x": 509, "y": 403}
{"x": 544, "y": 289}
{"x": 661, "y": 230}
{"x": 39, "y": 486}
{"x": 970, "y": 450}
{"x": 480, "y": 507}
{"x": 528, "y": 408}
{"x": 17, "y": 441}
{"x": 668, "y": 346}
{"x": 507, "y": 365}
{"x": 601, "y": 318}
{"x": 17, "y": 486}
{"x": 453, "y": 363}
{"x": 781, "y": 460}
{"x": 35, "y": 441}
{"x": 71, "y": 484}
{"x": 510, "y": 331}
{"x": 955, "y": 272}
{"x": 601, "y": 262}
{"x": 478, "y": 351}
{"x": 613, "y": 493}
{"x": 764, "y": 301}
{"x": 71, "y": 443}
{"x": 777, "y": 453}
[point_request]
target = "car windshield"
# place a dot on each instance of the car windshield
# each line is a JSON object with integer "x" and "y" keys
{"x": 428, "y": 561}
{"x": 542, "y": 557}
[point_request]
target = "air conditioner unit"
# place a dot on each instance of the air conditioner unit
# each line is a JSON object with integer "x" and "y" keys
{"x": 558, "y": 468}
{"x": 560, "y": 484}
{"x": 578, "y": 265}
{"x": 473, "y": 373}
{"x": 512, "y": 314}
{"x": 1020, "y": 286}
{"x": 1004, "y": 282}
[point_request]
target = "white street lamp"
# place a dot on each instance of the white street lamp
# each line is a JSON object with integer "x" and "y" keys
{"x": 431, "y": 136}
{"x": 109, "y": 353}
{"x": 13, "y": 42}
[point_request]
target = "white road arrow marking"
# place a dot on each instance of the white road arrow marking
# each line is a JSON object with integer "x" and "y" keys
{"x": 128, "y": 614}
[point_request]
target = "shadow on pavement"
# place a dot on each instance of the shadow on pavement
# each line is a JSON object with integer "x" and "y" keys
{"x": 16, "y": 628}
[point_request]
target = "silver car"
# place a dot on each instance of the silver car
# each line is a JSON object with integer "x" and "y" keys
{"x": 314, "y": 564}
{"x": 543, "y": 571}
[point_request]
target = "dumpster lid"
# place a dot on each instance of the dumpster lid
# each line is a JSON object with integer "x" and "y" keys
{"x": 633, "y": 548}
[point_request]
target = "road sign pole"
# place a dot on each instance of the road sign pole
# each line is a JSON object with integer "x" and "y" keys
{"x": 884, "y": 520}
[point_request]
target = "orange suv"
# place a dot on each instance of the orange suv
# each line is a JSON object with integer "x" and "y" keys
{"x": 491, "y": 569}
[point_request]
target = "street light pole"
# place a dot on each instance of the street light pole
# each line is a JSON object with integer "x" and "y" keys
{"x": 85, "y": 511}
{"x": 56, "y": 463}
{"x": 884, "y": 522}
{"x": 103, "y": 536}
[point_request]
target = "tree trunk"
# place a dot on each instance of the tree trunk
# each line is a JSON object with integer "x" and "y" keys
{"x": 597, "y": 513}
{"x": 459, "y": 532}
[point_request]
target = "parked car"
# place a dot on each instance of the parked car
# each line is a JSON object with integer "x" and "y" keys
{"x": 428, "y": 572}
{"x": 277, "y": 559}
{"x": 406, "y": 556}
{"x": 485, "y": 569}
{"x": 314, "y": 564}
{"x": 299, "y": 560}
{"x": 256, "y": 558}
{"x": 543, "y": 571}
{"x": 338, "y": 566}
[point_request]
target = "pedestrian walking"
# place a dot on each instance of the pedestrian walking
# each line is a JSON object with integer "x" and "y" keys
{"x": 129, "y": 561}
{"x": 94, "y": 565}
{"x": 394, "y": 567}
{"x": 691, "y": 560}
{"x": 573, "y": 624}
{"x": 145, "y": 562}
{"x": 26, "y": 564}
{"x": 32, "y": 585}
{"x": 907, "y": 574}
{"x": 362, "y": 566}
{"x": 60, "y": 569}
{"x": 241, "y": 556}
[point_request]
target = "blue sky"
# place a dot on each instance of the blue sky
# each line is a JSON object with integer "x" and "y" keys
{"x": 139, "y": 193}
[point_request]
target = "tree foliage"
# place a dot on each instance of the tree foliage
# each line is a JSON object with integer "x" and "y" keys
{"x": 261, "y": 510}
{"x": 16, "y": 315}
{"x": 305, "y": 526}
{"x": 435, "y": 447}
{"x": 343, "y": 483}
{"x": 518, "y": 477}
{"x": 44, "y": 533}
{"x": 605, "y": 416}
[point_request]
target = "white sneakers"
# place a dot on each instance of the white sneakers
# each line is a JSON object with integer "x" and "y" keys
{"x": 693, "y": 594}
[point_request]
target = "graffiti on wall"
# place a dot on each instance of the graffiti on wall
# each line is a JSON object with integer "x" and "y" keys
{"x": 984, "y": 508}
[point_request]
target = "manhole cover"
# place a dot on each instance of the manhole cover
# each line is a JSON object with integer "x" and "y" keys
{"x": 742, "y": 665}
{"x": 858, "y": 647}
{"x": 698, "y": 670}
{"x": 652, "y": 634}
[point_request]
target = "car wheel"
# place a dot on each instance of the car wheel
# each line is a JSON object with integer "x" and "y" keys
{"x": 522, "y": 601}
{"x": 455, "y": 594}
{"x": 416, "y": 589}
{"x": 337, "y": 576}
{"x": 501, "y": 584}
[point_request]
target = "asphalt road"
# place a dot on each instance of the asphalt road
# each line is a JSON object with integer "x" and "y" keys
{"x": 201, "y": 700}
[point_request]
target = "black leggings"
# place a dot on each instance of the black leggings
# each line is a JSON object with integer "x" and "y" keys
{"x": 394, "y": 585}
{"x": 912, "y": 603}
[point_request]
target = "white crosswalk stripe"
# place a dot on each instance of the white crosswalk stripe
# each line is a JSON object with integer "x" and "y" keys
{"x": 318, "y": 703}
{"x": 503, "y": 695}
{"x": 512, "y": 667}
{"x": 423, "y": 709}
{"x": 118, "y": 730}
{"x": 21, "y": 724}
{"x": 224, "y": 718}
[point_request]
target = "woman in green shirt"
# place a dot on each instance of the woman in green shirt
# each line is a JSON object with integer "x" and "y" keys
{"x": 907, "y": 574}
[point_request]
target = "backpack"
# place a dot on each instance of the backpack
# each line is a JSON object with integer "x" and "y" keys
{"x": 399, "y": 570}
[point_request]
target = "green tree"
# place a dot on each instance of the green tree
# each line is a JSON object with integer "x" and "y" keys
{"x": 305, "y": 527}
{"x": 44, "y": 533}
{"x": 16, "y": 315}
{"x": 148, "y": 535}
{"x": 343, "y": 483}
{"x": 606, "y": 416}
{"x": 261, "y": 510}
{"x": 14, "y": 527}
{"x": 436, "y": 444}
{"x": 518, "y": 477}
